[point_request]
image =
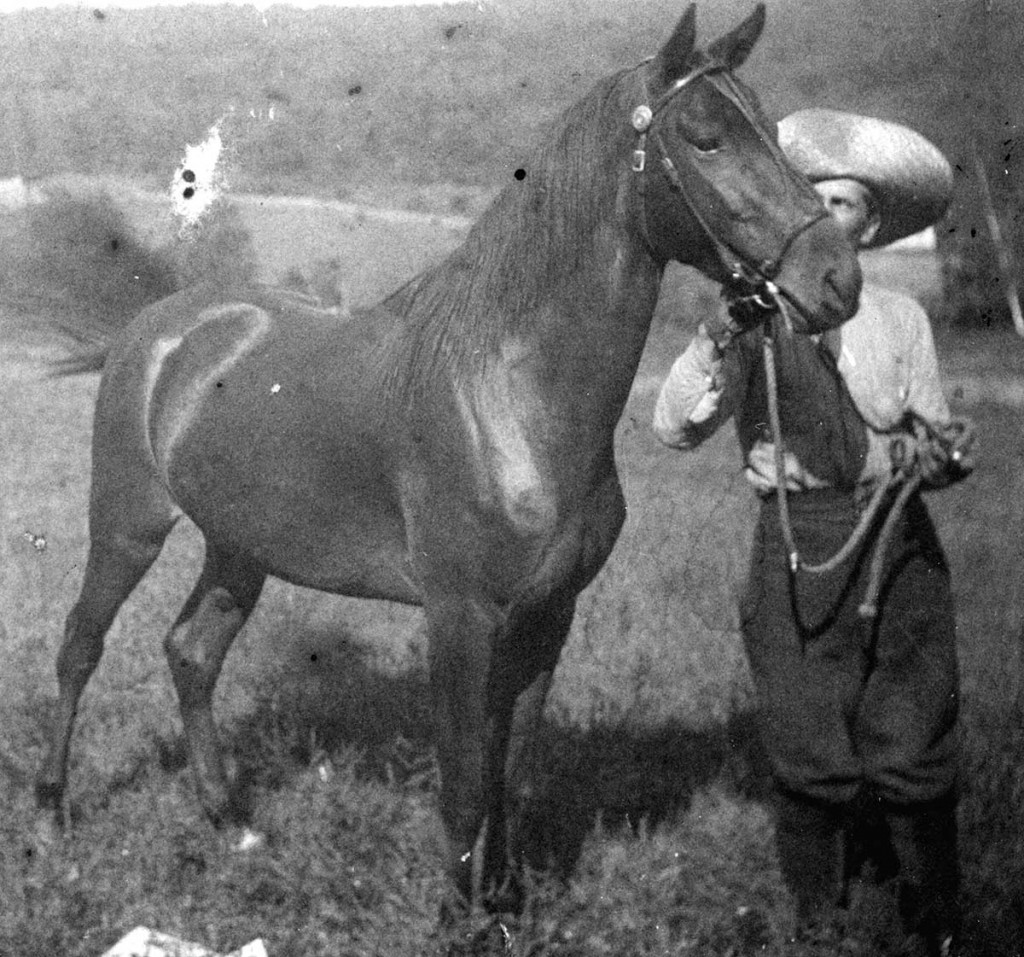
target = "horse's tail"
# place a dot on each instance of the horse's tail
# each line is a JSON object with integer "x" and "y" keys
{"x": 84, "y": 271}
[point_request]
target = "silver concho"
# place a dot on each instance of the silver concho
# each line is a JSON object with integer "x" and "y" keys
{"x": 641, "y": 119}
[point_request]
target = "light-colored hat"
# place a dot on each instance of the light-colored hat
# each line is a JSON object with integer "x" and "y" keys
{"x": 911, "y": 181}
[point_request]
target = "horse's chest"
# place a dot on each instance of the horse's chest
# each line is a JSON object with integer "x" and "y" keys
{"x": 510, "y": 472}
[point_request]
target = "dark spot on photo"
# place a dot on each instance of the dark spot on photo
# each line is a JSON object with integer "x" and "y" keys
{"x": 188, "y": 192}
{"x": 188, "y": 176}
{"x": 520, "y": 174}
{"x": 355, "y": 89}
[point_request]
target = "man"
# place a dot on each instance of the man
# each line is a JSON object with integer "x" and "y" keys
{"x": 858, "y": 715}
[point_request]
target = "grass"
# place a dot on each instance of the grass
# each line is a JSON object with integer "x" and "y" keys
{"x": 653, "y": 803}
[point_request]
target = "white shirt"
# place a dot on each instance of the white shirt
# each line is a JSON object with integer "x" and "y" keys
{"x": 885, "y": 355}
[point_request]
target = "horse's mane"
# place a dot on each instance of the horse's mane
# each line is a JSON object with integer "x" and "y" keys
{"x": 535, "y": 233}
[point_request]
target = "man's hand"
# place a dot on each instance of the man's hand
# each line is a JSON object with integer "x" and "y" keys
{"x": 742, "y": 309}
{"x": 941, "y": 453}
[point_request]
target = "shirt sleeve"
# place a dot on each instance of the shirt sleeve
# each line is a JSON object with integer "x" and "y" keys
{"x": 699, "y": 394}
{"x": 924, "y": 392}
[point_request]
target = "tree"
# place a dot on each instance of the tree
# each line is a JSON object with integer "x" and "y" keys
{"x": 987, "y": 102}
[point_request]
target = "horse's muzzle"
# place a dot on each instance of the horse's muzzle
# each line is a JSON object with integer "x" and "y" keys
{"x": 820, "y": 278}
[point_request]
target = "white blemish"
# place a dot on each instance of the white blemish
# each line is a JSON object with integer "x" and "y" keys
{"x": 275, "y": 388}
{"x": 158, "y": 354}
{"x": 495, "y": 417}
{"x": 38, "y": 542}
{"x": 618, "y": 270}
{"x": 249, "y": 841}
{"x": 182, "y": 411}
{"x": 198, "y": 181}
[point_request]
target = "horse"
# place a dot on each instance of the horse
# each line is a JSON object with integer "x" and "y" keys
{"x": 452, "y": 446}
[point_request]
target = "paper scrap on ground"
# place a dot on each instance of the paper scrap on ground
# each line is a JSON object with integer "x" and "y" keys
{"x": 143, "y": 942}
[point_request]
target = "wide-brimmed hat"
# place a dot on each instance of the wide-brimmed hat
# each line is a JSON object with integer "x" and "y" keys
{"x": 911, "y": 180}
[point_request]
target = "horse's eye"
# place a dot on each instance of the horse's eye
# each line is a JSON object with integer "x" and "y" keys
{"x": 707, "y": 144}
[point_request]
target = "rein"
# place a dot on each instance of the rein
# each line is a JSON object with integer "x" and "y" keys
{"x": 908, "y": 485}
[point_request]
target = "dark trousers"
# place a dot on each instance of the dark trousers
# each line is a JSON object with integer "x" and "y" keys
{"x": 855, "y": 711}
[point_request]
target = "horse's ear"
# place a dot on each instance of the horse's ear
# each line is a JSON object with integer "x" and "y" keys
{"x": 734, "y": 48}
{"x": 674, "y": 57}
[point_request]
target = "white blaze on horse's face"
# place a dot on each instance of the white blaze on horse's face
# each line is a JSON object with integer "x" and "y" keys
{"x": 497, "y": 414}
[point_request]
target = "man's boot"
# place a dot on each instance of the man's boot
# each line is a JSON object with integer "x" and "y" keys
{"x": 808, "y": 836}
{"x": 924, "y": 837}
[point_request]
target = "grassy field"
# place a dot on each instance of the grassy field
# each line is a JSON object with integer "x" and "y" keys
{"x": 654, "y": 801}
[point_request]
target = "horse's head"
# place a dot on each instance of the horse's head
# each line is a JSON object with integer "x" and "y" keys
{"x": 716, "y": 192}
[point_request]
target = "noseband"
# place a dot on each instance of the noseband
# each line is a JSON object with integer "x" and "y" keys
{"x": 750, "y": 281}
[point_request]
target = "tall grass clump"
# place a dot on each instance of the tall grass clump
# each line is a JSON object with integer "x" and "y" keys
{"x": 992, "y": 829}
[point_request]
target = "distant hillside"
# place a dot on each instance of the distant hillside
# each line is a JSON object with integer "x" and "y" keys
{"x": 333, "y": 101}
{"x": 433, "y": 94}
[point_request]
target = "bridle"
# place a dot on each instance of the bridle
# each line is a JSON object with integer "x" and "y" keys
{"x": 750, "y": 278}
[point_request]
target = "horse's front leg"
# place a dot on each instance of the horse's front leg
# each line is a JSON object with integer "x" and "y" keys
{"x": 521, "y": 676}
{"x": 462, "y": 634}
{"x": 489, "y": 677}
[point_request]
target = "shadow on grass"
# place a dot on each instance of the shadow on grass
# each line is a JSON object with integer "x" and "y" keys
{"x": 612, "y": 776}
{"x": 619, "y": 777}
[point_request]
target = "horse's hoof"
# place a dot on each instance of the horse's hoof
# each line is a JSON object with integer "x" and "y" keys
{"x": 47, "y": 832}
{"x": 49, "y": 796}
{"x": 453, "y": 911}
{"x": 491, "y": 940}
{"x": 510, "y": 898}
{"x": 224, "y": 814}
{"x": 221, "y": 803}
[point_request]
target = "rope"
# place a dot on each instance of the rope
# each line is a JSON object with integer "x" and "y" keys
{"x": 869, "y": 607}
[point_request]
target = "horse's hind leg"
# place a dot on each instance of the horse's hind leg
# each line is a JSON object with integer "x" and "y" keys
{"x": 196, "y": 647}
{"x": 115, "y": 566}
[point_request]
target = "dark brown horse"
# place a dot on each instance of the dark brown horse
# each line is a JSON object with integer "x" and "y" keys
{"x": 452, "y": 446}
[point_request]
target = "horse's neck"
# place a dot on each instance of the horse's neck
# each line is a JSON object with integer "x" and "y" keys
{"x": 554, "y": 289}
{"x": 588, "y": 343}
